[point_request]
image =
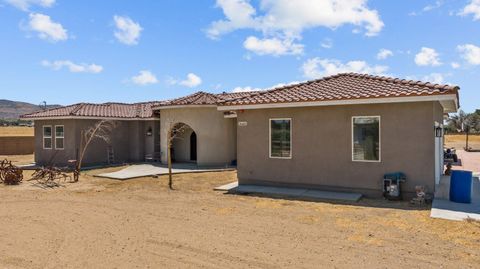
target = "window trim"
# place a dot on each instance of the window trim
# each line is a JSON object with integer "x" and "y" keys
{"x": 270, "y": 138}
{"x": 379, "y": 139}
{"x": 43, "y": 136}
{"x": 62, "y": 137}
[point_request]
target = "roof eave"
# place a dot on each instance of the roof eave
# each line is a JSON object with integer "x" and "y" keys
{"x": 448, "y": 101}
{"x": 87, "y": 118}
{"x": 184, "y": 106}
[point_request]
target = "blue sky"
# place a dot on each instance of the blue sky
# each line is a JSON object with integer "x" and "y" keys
{"x": 64, "y": 52}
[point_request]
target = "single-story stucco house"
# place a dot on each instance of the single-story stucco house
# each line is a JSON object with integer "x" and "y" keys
{"x": 341, "y": 132}
{"x": 140, "y": 132}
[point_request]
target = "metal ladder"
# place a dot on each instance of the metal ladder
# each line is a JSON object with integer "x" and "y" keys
{"x": 110, "y": 155}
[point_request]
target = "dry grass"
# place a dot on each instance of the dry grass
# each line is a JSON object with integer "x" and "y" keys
{"x": 16, "y": 131}
{"x": 141, "y": 223}
{"x": 458, "y": 141}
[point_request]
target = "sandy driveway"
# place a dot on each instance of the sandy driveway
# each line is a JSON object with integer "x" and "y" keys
{"x": 101, "y": 223}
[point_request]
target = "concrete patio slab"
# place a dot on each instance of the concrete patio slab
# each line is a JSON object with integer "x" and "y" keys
{"x": 144, "y": 170}
{"x": 443, "y": 208}
{"x": 226, "y": 187}
{"x": 328, "y": 195}
{"x": 297, "y": 193}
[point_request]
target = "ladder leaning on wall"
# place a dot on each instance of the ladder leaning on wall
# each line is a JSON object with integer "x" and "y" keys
{"x": 110, "y": 155}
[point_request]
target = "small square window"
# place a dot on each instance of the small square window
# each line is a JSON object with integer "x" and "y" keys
{"x": 59, "y": 143}
{"x": 59, "y": 137}
{"x": 47, "y": 137}
{"x": 59, "y": 131}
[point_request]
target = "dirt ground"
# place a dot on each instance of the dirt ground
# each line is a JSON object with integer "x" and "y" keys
{"x": 16, "y": 131}
{"x": 458, "y": 141}
{"x": 102, "y": 223}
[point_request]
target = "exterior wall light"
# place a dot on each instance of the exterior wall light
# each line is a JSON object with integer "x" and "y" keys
{"x": 438, "y": 131}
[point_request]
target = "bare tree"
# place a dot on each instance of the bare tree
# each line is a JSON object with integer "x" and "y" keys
{"x": 101, "y": 130}
{"x": 175, "y": 132}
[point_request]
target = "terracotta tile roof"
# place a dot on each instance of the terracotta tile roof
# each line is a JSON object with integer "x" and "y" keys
{"x": 345, "y": 86}
{"x": 204, "y": 98}
{"x": 131, "y": 111}
{"x": 106, "y": 110}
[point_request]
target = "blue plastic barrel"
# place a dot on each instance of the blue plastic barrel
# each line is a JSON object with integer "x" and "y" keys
{"x": 461, "y": 186}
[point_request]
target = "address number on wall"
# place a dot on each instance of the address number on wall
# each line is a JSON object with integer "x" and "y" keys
{"x": 242, "y": 123}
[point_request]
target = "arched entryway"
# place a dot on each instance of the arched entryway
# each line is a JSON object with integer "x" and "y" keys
{"x": 184, "y": 143}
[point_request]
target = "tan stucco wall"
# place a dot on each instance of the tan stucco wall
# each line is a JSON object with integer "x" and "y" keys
{"x": 129, "y": 142}
{"x": 321, "y": 147}
{"x": 216, "y": 143}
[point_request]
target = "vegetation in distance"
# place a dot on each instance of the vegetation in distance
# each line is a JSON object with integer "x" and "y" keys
{"x": 464, "y": 123}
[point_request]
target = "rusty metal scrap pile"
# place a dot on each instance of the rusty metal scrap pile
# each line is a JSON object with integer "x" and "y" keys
{"x": 9, "y": 173}
{"x": 50, "y": 176}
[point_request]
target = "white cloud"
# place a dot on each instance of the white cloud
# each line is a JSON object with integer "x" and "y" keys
{"x": 46, "y": 28}
{"x": 239, "y": 14}
{"x": 427, "y": 56}
{"x": 145, "y": 77}
{"x": 437, "y": 4}
{"x": 128, "y": 31}
{"x": 273, "y": 46}
{"x": 283, "y": 84}
{"x": 472, "y": 8}
{"x": 435, "y": 78}
{"x": 327, "y": 43}
{"x": 73, "y": 67}
{"x": 317, "y": 67}
{"x": 26, "y": 4}
{"x": 295, "y": 16}
{"x": 455, "y": 65}
{"x": 470, "y": 53}
{"x": 384, "y": 54}
{"x": 286, "y": 19}
{"x": 245, "y": 89}
{"x": 251, "y": 89}
{"x": 191, "y": 81}
{"x": 433, "y": 6}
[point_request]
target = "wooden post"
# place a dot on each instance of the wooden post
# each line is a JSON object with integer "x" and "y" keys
{"x": 466, "y": 141}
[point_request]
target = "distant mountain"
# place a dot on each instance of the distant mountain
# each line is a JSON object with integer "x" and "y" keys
{"x": 13, "y": 110}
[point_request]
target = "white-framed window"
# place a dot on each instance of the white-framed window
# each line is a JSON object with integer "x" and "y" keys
{"x": 59, "y": 136}
{"x": 366, "y": 139}
{"x": 47, "y": 137}
{"x": 280, "y": 138}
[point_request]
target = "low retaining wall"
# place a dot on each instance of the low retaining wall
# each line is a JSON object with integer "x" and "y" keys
{"x": 17, "y": 145}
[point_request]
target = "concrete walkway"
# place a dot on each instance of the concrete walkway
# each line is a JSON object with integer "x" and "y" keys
{"x": 443, "y": 208}
{"x": 290, "y": 192}
{"x": 469, "y": 161}
{"x": 226, "y": 187}
{"x": 145, "y": 170}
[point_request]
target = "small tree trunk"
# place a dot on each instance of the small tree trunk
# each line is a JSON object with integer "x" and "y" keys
{"x": 466, "y": 141}
{"x": 169, "y": 160}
